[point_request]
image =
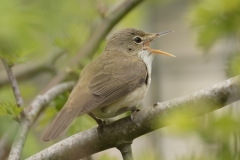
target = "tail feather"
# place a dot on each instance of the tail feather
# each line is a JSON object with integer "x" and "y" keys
{"x": 60, "y": 123}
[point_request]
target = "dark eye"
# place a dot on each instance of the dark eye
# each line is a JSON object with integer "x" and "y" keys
{"x": 137, "y": 39}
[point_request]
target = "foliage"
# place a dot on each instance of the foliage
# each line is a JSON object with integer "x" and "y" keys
{"x": 217, "y": 134}
{"x": 214, "y": 20}
{"x": 27, "y": 27}
{"x": 11, "y": 110}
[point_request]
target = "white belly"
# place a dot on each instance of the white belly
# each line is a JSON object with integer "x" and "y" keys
{"x": 125, "y": 104}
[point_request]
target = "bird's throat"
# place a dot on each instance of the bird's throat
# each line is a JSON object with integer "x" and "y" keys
{"x": 147, "y": 58}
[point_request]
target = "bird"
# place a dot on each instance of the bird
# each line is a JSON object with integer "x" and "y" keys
{"x": 114, "y": 83}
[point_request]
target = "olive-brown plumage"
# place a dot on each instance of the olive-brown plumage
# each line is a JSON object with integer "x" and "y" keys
{"x": 112, "y": 84}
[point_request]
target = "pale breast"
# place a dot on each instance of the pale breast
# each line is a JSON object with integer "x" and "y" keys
{"x": 125, "y": 104}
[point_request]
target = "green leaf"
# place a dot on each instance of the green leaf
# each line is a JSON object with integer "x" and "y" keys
{"x": 10, "y": 109}
{"x": 215, "y": 20}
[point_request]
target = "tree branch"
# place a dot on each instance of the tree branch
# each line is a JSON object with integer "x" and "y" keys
{"x": 35, "y": 69}
{"x": 29, "y": 115}
{"x": 13, "y": 82}
{"x": 111, "y": 18}
{"x": 126, "y": 150}
{"x": 147, "y": 120}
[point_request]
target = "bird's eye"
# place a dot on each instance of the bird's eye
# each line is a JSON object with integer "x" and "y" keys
{"x": 137, "y": 40}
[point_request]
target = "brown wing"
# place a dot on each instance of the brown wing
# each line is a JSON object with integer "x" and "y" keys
{"x": 118, "y": 77}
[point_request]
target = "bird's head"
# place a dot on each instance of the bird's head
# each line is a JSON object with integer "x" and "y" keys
{"x": 133, "y": 41}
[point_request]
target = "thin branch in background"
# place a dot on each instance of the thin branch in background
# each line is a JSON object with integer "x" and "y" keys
{"x": 30, "y": 114}
{"x": 13, "y": 82}
{"x": 99, "y": 7}
{"x": 35, "y": 69}
{"x": 126, "y": 150}
{"x": 147, "y": 120}
{"x": 112, "y": 17}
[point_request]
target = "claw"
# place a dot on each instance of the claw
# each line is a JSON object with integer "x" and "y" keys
{"x": 134, "y": 110}
{"x": 100, "y": 123}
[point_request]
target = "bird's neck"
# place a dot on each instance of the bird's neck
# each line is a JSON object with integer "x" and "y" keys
{"x": 147, "y": 58}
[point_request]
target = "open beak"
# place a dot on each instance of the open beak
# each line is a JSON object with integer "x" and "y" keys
{"x": 158, "y": 51}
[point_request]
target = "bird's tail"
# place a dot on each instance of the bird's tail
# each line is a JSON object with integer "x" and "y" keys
{"x": 60, "y": 123}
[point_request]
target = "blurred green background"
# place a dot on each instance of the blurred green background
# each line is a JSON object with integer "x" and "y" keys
{"x": 39, "y": 37}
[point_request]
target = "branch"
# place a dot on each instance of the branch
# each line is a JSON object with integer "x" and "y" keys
{"x": 112, "y": 17}
{"x": 147, "y": 120}
{"x": 126, "y": 150}
{"x": 13, "y": 82}
{"x": 35, "y": 69}
{"x": 29, "y": 115}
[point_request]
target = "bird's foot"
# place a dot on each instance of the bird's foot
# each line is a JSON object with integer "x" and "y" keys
{"x": 98, "y": 120}
{"x": 100, "y": 123}
{"x": 134, "y": 110}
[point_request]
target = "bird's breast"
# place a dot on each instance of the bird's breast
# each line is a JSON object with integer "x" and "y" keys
{"x": 125, "y": 104}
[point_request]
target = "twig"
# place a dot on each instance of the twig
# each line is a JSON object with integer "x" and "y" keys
{"x": 35, "y": 69}
{"x": 30, "y": 113}
{"x": 126, "y": 150}
{"x": 13, "y": 82}
{"x": 147, "y": 120}
{"x": 112, "y": 17}
{"x": 20, "y": 139}
{"x": 99, "y": 6}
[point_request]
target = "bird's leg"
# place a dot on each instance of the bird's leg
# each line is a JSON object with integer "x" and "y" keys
{"x": 98, "y": 120}
{"x": 100, "y": 123}
{"x": 134, "y": 110}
